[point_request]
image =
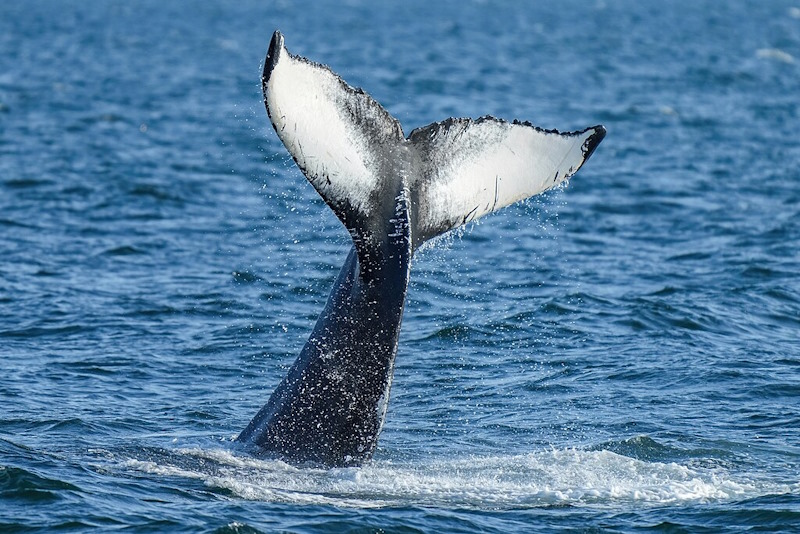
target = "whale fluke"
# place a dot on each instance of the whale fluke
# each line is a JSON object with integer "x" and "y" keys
{"x": 474, "y": 167}
{"x": 392, "y": 193}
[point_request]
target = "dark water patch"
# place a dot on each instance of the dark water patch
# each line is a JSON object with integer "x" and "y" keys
{"x": 16, "y": 224}
{"x": 779, "y": 388}
{"x": 203, "y": 415}
{"x": 692, "y": 256}
{"x": 522, "y": 319}
{"x": 93, "y": 370}
{"x": 549, "y": 386}
{"x": 21, "y": 484}
{"x": 219, "y": 347}
{"x": 124, "y": 250}
{"x": 237, "y": 528}
{"x": 26, "y": 183}
{"x": 790, "y": 319}
{"x": 502, "y": 329}
{"x": 77, "y": 192}
{"x": 47, "y": 273}
{"x": 557, "y": 309}
{"x": 271, "y": 295}
{"x": 146, "y": 215}
{"x": 37, "y": 332}
{"x": 246, "y": 277}
{"x": 451, "y": 333}
{"x": 72, "y": 425}
{"x": 769, "y": 513}
{"x": 665, "y": 292}
{"x": 107, "y": 365}
{"x": 634, "y": 374}
{"x": 154, "y": 192}
{"x": 187, "y": 168}
{"x": 103, "y": 122}
{"x": 158, "y": 311}
{"x": 317, "y": 289}
{"x": 763, "y": 424}
{"x": 589, "y": 301}
{"x": 674, "y": 316}
{"x": 641, "y": 448}
{"x": 763, "y": 272}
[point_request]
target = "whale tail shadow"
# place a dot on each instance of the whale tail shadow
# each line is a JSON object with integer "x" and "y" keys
{"x": 393, "y": 193}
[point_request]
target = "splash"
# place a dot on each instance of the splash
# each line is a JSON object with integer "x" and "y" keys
{"x": 566, "y": 477}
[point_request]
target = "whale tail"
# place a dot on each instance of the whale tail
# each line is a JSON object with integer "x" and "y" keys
{"x": 381, "y": 183}
{"x": 392, "y": 193}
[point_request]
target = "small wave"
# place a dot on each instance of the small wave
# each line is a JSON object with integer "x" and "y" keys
{"x": 26, "y": 183}
{"x": 451, "y": 333}
{"x": 15, "y": 224}
{"x": 246, "y": 277}
{"x": 775, "y": 54}
{"x": 124, "y": 250}
{"x": 237, "y": 528}
{"x": 563, "y": 477}
{"x": 42, "y": 331}
{"x": 21, "y": 484}
{"x": 155, "y": 192}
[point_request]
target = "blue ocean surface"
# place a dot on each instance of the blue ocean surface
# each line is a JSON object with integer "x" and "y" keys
{"x": 619, "y": 355}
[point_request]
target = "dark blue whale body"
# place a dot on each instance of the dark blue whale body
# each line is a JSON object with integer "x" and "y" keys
{"x": 392, "y": 193}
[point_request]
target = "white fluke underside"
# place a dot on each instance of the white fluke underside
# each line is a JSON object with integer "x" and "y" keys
{"x": 471, "y": 168}
{"x": 456, "y": 171}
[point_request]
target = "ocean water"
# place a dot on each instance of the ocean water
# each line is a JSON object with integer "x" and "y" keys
{"x": 621, "y": 355}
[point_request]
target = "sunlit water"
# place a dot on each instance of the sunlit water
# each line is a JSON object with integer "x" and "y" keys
{"x": 622, "y": 354}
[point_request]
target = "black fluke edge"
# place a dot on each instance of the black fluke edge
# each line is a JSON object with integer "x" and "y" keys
{"x": 275, "y": 46}
{"x": 591, "y": 144}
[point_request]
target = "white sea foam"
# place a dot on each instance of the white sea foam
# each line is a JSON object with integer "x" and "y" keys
{"x": 775, "y": 54}
{"x": 555, "y": 477}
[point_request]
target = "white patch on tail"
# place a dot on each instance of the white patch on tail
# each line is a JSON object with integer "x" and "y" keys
{"x": 330, "y": 128}
{"x": 471, "y": 168}
{"x": 355, "y": 155}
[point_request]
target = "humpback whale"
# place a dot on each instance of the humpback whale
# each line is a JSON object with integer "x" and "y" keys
{"x": 392, "y": 193}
